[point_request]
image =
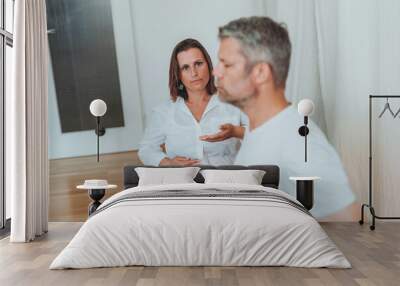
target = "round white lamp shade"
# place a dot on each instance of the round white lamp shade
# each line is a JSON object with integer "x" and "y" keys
{"x": 98, "y": 107}
{"x": 305, "y": 107}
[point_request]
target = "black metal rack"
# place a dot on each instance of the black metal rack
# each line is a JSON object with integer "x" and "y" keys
{"x": 369, "y": 205}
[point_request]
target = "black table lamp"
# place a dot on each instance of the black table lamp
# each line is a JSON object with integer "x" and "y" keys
{"x": 98, "y": 108}
{"x": 305, "y": 108}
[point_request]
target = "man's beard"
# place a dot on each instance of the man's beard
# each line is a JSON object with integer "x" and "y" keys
{"x": 238, "y": 102}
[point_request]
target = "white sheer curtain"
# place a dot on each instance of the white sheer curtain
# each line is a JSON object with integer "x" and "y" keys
{"x": 26, "y": 119}
{"x": 343, "y": 51}
{"x": 304, "y": 74}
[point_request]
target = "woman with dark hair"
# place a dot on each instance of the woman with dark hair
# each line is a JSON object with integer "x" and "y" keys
{"x": 176, "y": 131}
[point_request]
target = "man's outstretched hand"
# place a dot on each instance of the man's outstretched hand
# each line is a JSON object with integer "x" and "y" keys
{"x": 226, "y": 131}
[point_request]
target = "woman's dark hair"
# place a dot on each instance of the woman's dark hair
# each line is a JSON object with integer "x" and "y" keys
{"x": 174, "y": 70}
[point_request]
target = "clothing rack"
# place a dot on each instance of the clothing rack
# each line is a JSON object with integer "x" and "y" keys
{"x": 369, "y": 205}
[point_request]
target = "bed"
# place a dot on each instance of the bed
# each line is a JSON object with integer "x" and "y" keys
{"x": 198, "y": 224}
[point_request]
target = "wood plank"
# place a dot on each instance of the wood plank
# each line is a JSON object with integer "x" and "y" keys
{"x": 368, "y": 252}
{"x": 69, "y": 204}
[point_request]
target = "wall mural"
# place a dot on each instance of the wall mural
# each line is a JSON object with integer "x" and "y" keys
{"x": 160, "y": 66}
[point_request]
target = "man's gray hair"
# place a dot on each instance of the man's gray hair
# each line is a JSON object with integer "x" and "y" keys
{"x": 262, "y": 40}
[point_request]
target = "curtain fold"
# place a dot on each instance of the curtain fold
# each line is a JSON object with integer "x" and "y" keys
{"x": 304, "y": 73}
{"x": 27, "y": 147}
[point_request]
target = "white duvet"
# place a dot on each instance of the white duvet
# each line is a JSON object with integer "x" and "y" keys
{"x": 200, "y": 231}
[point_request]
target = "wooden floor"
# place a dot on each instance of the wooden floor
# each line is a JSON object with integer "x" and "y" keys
{"x": 69, "y": 204}
{"x": 374, "y": 255}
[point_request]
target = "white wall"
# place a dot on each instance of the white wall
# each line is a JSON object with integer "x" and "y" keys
{"x": 145, "y": 34}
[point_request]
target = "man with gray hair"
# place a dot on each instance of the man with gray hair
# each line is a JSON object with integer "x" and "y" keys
{"x": 254, "y": 59}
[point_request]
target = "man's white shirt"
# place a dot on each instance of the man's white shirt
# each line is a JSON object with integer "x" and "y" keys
{"x": 278, "y": 142}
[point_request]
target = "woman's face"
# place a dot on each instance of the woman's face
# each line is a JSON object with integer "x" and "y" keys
{"x": 193, "y": 69}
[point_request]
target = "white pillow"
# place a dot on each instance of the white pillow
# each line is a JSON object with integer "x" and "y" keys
{"x": 248, "y": 177}
{"x": 163, "y": 176}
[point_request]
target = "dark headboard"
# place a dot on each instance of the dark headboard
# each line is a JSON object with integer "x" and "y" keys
{"x": 270, "y": 179}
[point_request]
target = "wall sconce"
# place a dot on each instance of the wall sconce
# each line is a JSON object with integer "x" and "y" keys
{"x": 98, "y": 108}
{"x": 305, "y": 108}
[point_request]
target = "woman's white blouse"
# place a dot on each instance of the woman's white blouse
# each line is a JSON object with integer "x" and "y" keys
{"x": 174, "y": 124}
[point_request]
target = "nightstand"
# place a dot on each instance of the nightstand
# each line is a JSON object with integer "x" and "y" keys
{"x": 96, "y": 190}
{"x": 305, "y": 190}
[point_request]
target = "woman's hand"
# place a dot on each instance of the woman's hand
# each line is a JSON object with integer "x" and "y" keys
{"x": 226, "y": 131}
{"x": 178, "y": 161}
